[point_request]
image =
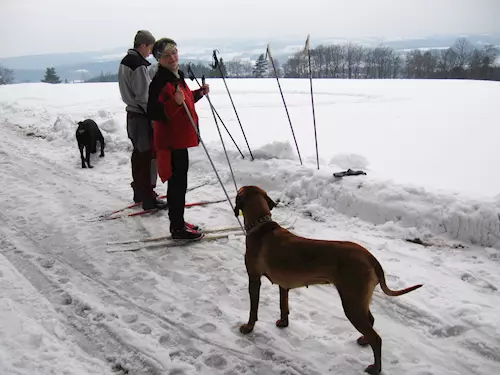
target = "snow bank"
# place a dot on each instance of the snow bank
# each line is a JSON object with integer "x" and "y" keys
{"x": 53, "y": 111}
{"x": 407, "y": 209}
{"x": 386, "y": 203}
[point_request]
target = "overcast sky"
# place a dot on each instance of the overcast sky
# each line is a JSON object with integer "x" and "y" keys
{"x": 47, "y": 26}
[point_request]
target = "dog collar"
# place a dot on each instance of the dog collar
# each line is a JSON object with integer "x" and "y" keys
{"x": 257, "y": 224}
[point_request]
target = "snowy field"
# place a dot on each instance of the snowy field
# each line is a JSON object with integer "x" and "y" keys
{"x": 429, "y": 148}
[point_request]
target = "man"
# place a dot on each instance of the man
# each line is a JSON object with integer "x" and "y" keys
{"x": 173, "y": 131}
{"x": 134, "y": 80}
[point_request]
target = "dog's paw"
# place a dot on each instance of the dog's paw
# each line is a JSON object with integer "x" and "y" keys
{"x": 282, "y": 323}
{"x": 362, "y": 341}
{"x": 246, "y": 328}
{"x": 372, "y": 370}
{"x": 101, "y": 156}
{"x": 91, "y": 166}
{"x": 84, "y": 166}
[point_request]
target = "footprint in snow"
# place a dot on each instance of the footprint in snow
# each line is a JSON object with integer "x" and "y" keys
{"x": 61, "y": 297}
{"x": 142, "y": 328}
{"x": 130, "y": 318}
{"x": 449, "y": 331}
{"x": 185, "y": 355}
{"x": 216, "y": 361}
{"x": 168, "y": 340}
{"x": 61, "y": 271}
{"x": 189, "y": 318}
{"x": 82, "y": 309}
{"x": 477, "y": 282}
{"x": 47, "y": 263}
{"x": 208, "y": 327}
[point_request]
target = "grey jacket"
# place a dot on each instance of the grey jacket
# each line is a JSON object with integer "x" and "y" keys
{"x": 133, "y": 80}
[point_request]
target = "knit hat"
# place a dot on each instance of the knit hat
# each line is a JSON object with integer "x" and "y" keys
{"x": 163, "y": 45}
{"x": 144, "y": 37}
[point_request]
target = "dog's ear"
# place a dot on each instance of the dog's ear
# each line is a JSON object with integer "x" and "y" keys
{"x": 238, "y": 205}
{"x": 270, "y": 203}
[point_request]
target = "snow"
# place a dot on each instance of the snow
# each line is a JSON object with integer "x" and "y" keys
{"x": 429, "y": 150}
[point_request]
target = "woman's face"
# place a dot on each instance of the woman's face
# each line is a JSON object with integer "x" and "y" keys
{"x": 170, "y": 59}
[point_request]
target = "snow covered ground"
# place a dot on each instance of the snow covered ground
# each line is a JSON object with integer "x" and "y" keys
{"x": 68, "y": 306}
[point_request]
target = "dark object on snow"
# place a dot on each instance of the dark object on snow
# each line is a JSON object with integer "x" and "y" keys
{"x": 418, "y": 241}
{"x": 87, "y": 135}
{"x": 349, "y": 172}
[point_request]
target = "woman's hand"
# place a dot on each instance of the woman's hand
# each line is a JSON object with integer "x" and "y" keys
{"x": 205, "y": 89}
{"x": 179, "y": 96}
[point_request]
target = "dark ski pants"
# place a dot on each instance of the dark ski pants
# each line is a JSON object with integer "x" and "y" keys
{"x": 144, "y": 172}
{"x": 177, "y": 186}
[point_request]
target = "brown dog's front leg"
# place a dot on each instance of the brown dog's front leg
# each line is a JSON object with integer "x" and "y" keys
{"x": 254, "y": 290}
{"x": 283, "y": 322}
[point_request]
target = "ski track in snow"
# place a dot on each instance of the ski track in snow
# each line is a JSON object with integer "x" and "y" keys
{"x": 178, "y": 311}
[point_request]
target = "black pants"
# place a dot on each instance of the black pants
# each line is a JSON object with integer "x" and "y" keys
{"x": 140, "y": 133}
{"x": 177, "y": 186}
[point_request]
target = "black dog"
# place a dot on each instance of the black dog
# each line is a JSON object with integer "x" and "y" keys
{"x": 87, "y": 135}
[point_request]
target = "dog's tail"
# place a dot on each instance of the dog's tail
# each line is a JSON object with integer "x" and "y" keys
{"x": 381, "y": 278}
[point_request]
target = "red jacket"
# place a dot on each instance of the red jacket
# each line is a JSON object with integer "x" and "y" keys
{"x": 172, "y": 127}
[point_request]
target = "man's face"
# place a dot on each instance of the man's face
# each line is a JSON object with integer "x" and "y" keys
{"x": 170, "y": 58}
{"x": 145, "y": 50}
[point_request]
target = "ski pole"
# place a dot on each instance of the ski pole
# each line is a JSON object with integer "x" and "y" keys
{"x": 209, "y": 158}
{"x": 217, "y": 64}
{"x": 214, "y": 112}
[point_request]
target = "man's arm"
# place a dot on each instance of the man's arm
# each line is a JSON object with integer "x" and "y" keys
{"x": 140, "y": 86}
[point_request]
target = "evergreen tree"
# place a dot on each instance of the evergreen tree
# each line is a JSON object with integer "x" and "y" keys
{"x": 260, "y": 67}
{"x": 51, "y": 76}
{"x": 6, "y": 75}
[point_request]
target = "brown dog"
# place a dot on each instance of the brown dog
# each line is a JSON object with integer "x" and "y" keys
{"x": 292, "y": 262}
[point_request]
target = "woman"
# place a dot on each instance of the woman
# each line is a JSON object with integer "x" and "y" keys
{"x": 173, "y": 131}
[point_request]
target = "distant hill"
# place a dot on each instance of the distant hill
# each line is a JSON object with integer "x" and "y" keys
{"x": 85, "y": 65}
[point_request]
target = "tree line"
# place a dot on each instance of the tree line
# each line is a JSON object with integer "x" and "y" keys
{"x": 352, "y": 61}
{"x": 461, "y": 60}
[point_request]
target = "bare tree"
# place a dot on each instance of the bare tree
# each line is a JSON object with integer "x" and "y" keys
{"x": 357, "y": 59}
{"x": 382, "y": 58}
{"x": 296, "y": 66}
{"x": 349, "y": 56}
{"x": 430, "y": 62}
{"x": 237, "y": 68}
{"x": 446, "y": 61}
{"x": 463, "y": 50}
{"x": 334, "y": 59}
{"x": 354, "y": 61}
{"x": 275, "y": 71}
{"x": 6, "y": 75}
{"x": 396, "y": 64}
{"x": 319, "y": 61}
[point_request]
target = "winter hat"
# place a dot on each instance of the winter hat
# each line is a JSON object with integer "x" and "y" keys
{"x": 163, "y": 45}
{"x": 144, "y": 37}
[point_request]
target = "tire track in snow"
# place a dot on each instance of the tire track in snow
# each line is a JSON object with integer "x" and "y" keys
{"x": 92, "y": 338}
{"x": 50, "y": 245}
